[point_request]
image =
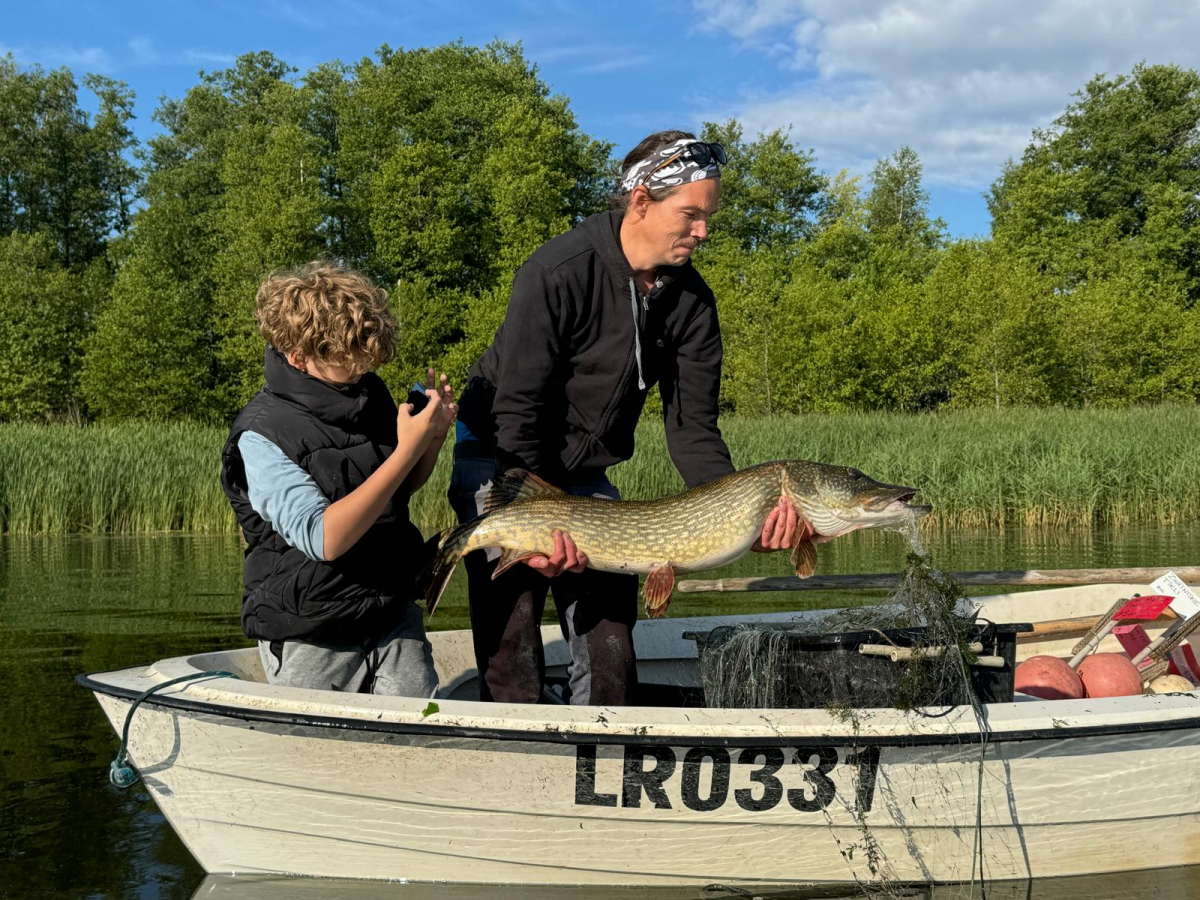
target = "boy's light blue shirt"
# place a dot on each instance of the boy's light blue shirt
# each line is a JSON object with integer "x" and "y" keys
{"x": 284, "y": 495}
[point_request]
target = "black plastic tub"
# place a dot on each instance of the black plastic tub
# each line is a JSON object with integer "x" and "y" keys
{"x": 812, "y": 670}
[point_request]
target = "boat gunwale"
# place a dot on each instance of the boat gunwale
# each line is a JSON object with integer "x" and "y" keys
{"x": 571, "y": 736}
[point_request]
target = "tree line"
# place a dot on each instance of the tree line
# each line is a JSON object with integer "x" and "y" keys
{"x": 128, "y": 269}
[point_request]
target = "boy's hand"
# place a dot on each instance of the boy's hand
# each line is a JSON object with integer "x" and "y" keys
{"x": 346, "y": 520}
{"x": 415, "y": 432}
{"x": 436, "y": 386}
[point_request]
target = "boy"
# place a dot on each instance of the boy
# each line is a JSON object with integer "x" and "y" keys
{"x": 319, "y": 468}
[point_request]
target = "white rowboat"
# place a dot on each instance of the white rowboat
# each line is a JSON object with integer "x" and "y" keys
{"x": 263, "y": 779}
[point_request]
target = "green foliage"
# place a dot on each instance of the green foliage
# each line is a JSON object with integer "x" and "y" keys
{"x": 1002, "y": 343}
{"x": 473, "y": 165}
{"x": 134, "y": 477}
{"x": 271, "y": 210}
{"x": 420, "y": 237}
{"x": 1130, "y": 342}
{"x": 898, "y": 205}
{"x": 44, "y": 312}
{"x": 66, "y": 186}
{"x": 830, "y": 314}
{"x": 63, "y": 173}
{"x": 439, "y": 170}
{"x": 771, "y": 193}
{"x": 770, "y": 203}
{"x": 151, "y": 354}
{"x": 1120, "y": 167}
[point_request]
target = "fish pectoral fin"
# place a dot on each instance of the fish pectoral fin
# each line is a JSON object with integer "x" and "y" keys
{"x": 515, "y": 484}
{"x": 509, "y": 558}
{"x": 656, "y": 593}
{"x": 804, "y": 556}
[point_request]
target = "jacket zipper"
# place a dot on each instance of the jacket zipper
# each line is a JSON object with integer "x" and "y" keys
{"x": 608, "y": 413}
{"x": 637, "y": 331}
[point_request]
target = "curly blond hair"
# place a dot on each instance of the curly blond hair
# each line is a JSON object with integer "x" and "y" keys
{"x": 328, "y": 314}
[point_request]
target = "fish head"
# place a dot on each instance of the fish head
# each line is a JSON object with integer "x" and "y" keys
{"x": 840, "y": 499}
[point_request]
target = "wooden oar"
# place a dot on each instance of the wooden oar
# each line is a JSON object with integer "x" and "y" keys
{"x": 1043, "y": 577}
{"x": 1064, "y": 628}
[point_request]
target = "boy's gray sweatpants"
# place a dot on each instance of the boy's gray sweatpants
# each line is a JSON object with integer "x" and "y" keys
{"x": 398, "y": 664}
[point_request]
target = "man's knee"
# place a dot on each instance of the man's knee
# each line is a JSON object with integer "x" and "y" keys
{"x": 506, "y": 630}
{"x": 612, "y": 664}
{"x": 599, "y": 611}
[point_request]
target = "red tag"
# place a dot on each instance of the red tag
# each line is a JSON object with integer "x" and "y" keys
{"x": 1133, "y": 640}
{"x": 1144, "y": 608}
{"x": 1183, "y": 662}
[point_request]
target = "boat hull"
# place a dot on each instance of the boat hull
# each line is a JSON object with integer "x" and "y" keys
{"x": 316, "y": 799}
{"x": 258, "y": 781}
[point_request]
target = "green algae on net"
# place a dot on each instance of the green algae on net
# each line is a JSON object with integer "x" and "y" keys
{"x": 815, "y": 662}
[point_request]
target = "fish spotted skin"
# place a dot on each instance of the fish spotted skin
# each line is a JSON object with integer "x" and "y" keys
{"x": 703, "y": 528}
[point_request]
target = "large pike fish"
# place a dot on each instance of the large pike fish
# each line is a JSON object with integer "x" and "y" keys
{"x": 706, "y": 527}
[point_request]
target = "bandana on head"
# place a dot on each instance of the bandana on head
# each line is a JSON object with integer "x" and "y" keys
{"x": 679, "y": 171}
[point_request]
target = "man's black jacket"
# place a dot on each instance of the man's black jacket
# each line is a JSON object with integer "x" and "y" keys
{"x": 558, "y": 391}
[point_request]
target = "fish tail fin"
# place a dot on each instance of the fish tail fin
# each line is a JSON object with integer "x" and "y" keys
{"x": 451, "y": 546}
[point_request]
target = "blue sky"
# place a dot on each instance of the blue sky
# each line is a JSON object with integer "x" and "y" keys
{"x": 963, "y": 83}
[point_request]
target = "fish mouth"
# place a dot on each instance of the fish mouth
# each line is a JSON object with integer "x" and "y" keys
{"x": 898, "y": 499}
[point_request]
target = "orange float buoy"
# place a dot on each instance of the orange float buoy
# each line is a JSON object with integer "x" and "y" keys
{"x": 1050, "y": 678}
{"x": 1110, "y": 675}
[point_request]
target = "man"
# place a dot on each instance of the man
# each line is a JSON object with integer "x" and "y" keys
{"x": 597, "y": 316}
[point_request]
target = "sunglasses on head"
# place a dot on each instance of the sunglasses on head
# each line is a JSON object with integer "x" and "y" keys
{"x": 705, "y": 154}
{"x": 699, "y": 152}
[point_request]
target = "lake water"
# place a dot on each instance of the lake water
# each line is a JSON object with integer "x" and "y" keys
{"x": 76, "y": 604}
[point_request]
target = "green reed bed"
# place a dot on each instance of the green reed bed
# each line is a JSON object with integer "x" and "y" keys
{"x": 988, "y": 468}
{"x": 141, "y": 477}
{"x": 1037, "y": 467}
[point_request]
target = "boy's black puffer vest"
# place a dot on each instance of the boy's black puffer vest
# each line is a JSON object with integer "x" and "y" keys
{"x": 339, "y": 435}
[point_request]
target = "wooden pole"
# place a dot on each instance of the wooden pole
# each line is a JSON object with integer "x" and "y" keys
{"x": 1045, "y": 577}
{"x": 1064, "y": 628}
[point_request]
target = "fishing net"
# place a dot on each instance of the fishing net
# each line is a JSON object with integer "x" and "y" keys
{"x": 815, "y": 662}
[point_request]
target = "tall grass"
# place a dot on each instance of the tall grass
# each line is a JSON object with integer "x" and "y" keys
{"x": 143, "y": 477}
{"x": 988, "y": 468}
{"x": 1038, "y": 467}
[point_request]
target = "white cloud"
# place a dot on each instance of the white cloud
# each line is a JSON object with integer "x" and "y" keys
{"x": 208, "y": 58}
{"x": 964, "y": 82}
{"x": 614, "y": 64}
{"x": 299, "y": 13}
{"x": 747, "y": 19}
{"x": 142, "y": 52}
{"x": 51, "y": 56}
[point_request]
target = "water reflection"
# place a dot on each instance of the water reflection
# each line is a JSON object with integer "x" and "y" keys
{"x": 1165, "y": 884}
{"x": 69, "y": 605}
